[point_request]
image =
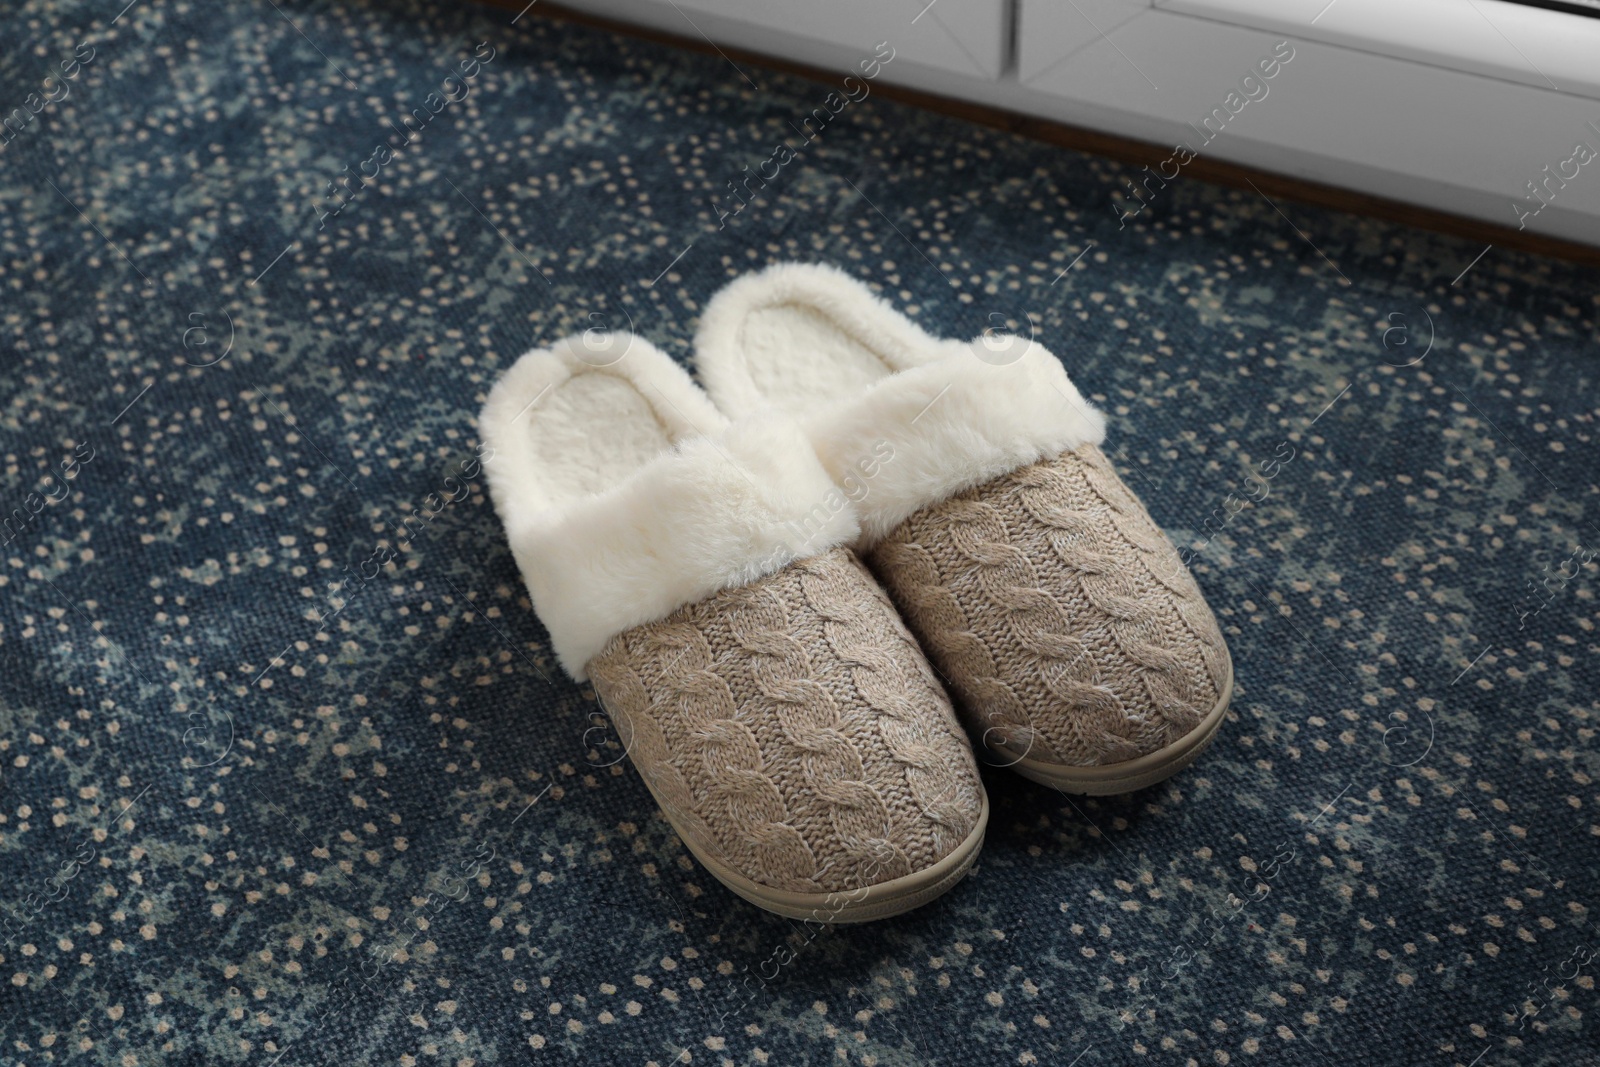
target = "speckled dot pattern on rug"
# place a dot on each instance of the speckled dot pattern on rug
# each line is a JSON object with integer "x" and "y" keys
{"x": 288, "y": 774}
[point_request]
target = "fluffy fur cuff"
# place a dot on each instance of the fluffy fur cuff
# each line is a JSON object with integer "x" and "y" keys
{"x": 900, "y": 418}
{"x": 952, "y": 424}
{"x": 709, "y": 506}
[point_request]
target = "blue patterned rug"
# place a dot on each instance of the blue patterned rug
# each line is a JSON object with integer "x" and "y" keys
{"x": 270, "y": 796}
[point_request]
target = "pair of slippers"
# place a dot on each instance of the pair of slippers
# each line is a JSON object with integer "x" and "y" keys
{"x": 774, "y": 583}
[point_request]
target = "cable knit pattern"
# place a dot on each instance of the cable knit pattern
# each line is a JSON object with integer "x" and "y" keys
{"x": 1048, "y": 597}
{"x": 791, "y": 730}
{"x": 898, "y": 693}
{"x": 723, "y": 783}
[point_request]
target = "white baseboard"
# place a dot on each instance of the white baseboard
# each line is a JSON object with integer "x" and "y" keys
{"x": 1399, "y": 126}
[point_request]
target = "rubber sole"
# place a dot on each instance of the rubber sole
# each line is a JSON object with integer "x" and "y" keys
{"x": 1134, "y": 774}
{"x": 880, "y": 901}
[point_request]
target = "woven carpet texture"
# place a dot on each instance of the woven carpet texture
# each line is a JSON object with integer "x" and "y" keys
{"x": 288, "y": 775}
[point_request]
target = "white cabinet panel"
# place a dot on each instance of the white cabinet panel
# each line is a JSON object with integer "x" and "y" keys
{"x": 1054, "y": 31}
{"x": 963, "y": 37}
{"x": 1453, "y": 141}
{"x": 1546, "y": 49}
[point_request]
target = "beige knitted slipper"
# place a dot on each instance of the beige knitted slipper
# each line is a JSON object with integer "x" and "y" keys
{"x": 763, "y": 685}
{"x": 1076, "y": 642}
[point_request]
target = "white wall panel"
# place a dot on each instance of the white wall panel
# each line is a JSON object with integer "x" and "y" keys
{"x": 1453, "y": 141}
{"x": 1513, "y": 42}
{"x": 968, "y": 38}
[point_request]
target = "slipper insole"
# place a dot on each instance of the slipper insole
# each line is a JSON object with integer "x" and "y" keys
{"x": 802, "y": 360}
{"x": 592, "y": 432}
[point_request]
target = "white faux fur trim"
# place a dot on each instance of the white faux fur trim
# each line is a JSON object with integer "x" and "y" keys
{"x": 900, "y": 419}
{"x": 620, "y": 514}
{"x": 952, "y": 424}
